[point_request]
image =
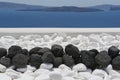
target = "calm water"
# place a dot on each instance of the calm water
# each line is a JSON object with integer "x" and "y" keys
{"x": 12, "y": 18}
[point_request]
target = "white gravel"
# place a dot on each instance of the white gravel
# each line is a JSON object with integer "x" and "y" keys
{"x": 99, "y": 41}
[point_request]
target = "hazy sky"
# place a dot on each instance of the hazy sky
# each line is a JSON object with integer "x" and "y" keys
{"x": 65, "y": 2}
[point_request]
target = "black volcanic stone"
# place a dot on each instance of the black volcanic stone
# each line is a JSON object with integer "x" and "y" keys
{"x": 5, "y": 61}
{"x": 48, "y": 57}
{"x": 13, "y": 50}
{"x": 57, "y": 50}
{"x": 113, "y": 51}
{"x": 3, "y": 52}
{"x": 43, "y": 50}
{"x": 72, "y": 50}
{"x": 104, "y": 52}
{"x": 116, "y": 63}
{"x": 35, "y": 60}
{"x": 25, "y": 52}
{"x": 77, "y": 60}
{"x": 20, "y": 61}
{"x": 92, "y": 54}
{"x": 68, "y": 60}
{"x": 88, "y": 58}
{"x": 57, "y": 61}
{"x": 95, "y": 51}
{"x": 103, "y": 59}
{"x": 34, "y": 50}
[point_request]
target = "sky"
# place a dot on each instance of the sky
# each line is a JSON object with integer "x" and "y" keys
{"x": 79, "y": 3}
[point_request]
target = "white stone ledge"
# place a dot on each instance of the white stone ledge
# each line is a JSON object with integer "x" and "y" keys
{"x": 54, "y": 30}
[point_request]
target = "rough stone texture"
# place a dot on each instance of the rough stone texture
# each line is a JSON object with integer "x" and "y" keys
{"x": 57, "y": 50}
{"x": 25, "y": 52}
{"x": 14, "y": 50}
{"x": 3, "y": 52}
{"x": 113, "y": 51}
{"x": 35, "y": 60}
{"x": 48, "y": 57}
{"x": 68, "y": 60}
{"x": 20, "y": 60}
{"x": 43, "y": 50}
{"x": 116, "y": 63}
{"x": 72, "y": 50}
{"x": 95, "y": 52}
{"x": 5, "y": 61}
{"x": 103, "y": 59}
{"x": 57, "y": 61}
{"x": 88, "y": 58}
{"x": 34, "y": 50}
{"x": 77, "y": 60}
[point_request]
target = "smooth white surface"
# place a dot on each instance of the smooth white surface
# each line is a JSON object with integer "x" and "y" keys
{"x": 53, "y": 30}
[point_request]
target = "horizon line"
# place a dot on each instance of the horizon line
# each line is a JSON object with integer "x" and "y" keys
{"x": 51, "y": 6}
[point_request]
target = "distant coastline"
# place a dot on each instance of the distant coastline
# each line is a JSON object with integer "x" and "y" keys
{"x": 63, "y": 9}
{"x": 25, "y": 7}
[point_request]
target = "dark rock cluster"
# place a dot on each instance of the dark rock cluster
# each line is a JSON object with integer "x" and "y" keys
{"x": 57, "y": 55}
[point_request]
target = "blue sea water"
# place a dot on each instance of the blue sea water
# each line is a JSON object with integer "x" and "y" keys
{"x": 12, "y": 18}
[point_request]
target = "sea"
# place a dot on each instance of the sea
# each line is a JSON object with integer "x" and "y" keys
{"x": 41, "y": 19}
